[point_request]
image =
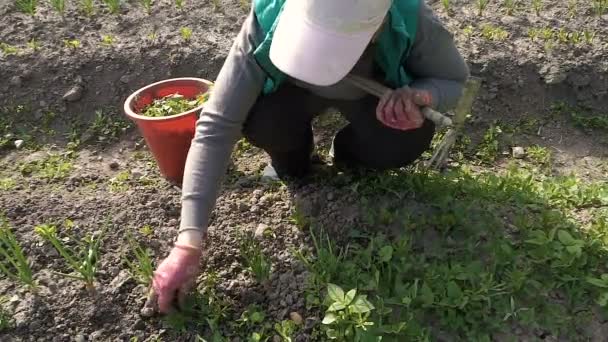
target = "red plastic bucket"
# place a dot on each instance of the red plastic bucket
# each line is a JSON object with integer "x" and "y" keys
{"x": 168, "y": 137}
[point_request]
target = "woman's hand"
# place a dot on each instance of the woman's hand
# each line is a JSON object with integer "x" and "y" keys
{"x": 401, "y": 108}
{"x": 176, "y": 275}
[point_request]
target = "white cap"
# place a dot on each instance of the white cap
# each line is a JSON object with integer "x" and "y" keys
{"x": 320, "y": 41}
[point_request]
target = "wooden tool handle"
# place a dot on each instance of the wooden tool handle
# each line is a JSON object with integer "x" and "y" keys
{"x": 377, "y": 89}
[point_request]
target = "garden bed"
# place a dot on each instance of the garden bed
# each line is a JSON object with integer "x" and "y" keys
{"x": 500, "y": 248}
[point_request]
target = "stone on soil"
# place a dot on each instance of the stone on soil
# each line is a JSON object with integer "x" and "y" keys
{"x": 518, "y": 152}
{"x": 260, "y": 230}
{"x": 18, "y": 143}
{"x": 74, "y": 94}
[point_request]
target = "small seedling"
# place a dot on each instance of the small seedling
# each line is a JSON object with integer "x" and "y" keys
{"x": 27, "y": 6}
{"x": 468, "y": 31}
{"x": 186, "y": 33}
{"x": 600, "y": 7}
{"x": 179, "y": 4}
{"x": 481, "y": 6}
{"x": 83, "y": 260}
{"x": 71, "y": 43}
{"x": 87, "y": 7}
{"x": 113, "y": 6}
{"x": 254, "y": 259}
{"x": 8, "y": 49}
{"x": 33, "y": 44}
{"x": 347, "y": 314}
{"x": 146, "y": 230}
{"x": 489, "y": 148}
{"x": 53, "y": 167}
{"x": 147, "y": 4}
{"x": 537, "y": 5}
{"x": 141, "y": 267}
{"x": 510, "y": 6}
{"x": 108, "y": 40}
{"x": 493, "y": 33}
{"x": 58, "y": 5}
{"x": 14, "y": 263}
{"x": 120, "y": 182}
{"x": 446, "y": 5}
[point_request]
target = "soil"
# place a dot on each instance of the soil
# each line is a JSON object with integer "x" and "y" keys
{"x": 522, "y": 79}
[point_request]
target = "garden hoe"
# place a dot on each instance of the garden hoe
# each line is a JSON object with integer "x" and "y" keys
{"x": 455, "y": 124}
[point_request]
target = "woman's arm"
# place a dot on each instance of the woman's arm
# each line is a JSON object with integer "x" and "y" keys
{"x": 435, "y": 62}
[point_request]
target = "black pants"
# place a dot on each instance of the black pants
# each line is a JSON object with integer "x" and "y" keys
{"x": 281, "y": 125}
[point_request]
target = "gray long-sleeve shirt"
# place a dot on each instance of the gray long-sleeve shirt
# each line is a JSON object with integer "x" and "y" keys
{"x": 434, "y": 63}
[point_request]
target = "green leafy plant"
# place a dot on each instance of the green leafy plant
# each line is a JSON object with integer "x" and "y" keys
{"x": 113, "y": 6}
{"x": 481, "y": 6}
{"x": 537, "y": 5}
{"x": 33, "y": 44}
{"x": 254, "y": 259}
{"x": 146, "y": 230}
{"x": 495, "y": 33}
{"x": 53, "y": 167}
{"x": 141, "y": 267}
{"x": 108, "y": 40}
{"x": 27, "y": 6}
{"x": 13, "y": 262}
{"x": 179, "y": 4}
{"x": 7, "y": 184}
{"x": 107, "y": 126}
{"x": 602, "y": 283}
{"x": 58, "y": 5}
{"x": 83, "y": 260}
{"x": 572, "y": 8}
{"x": 489, "y": 147}
{"x": 539, "y": 154}
{"x": 600, "y": 7}
{"x": 120, "y": 182}
{"x": 347, "y": 316}
{"x": 446, "y": 5}
{"x": 6, "y": 319}
{"x": 285, "y": 329}
{"x": 88, "y": 7}
{"x": 186, "y": 33}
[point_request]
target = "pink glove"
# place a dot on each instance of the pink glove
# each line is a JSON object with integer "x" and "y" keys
{"x": 400, "y": 108}
{"x": 175, "y": 276}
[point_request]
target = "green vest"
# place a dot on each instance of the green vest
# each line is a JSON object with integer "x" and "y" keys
{"x": 392, "y": 46}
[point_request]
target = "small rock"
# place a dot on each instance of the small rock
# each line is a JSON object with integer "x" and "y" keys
{"x": 259, "y": 231}
{"x": 99, "y": 68}
{"x": 518, "y": 152}
{"x": 96, "y": 335}
{"x": 125, "y": 78}
{"x": 147, "y": 312}
{"x": 139, "y": 324}
{"x": 16, "y": 81}
{"x": 18, "y": 143}
{"x": 296, "y": 318}
{"x": 114, "y": 165}
{"x": 42, "y": 103}
{"x": 74, "y": 94}
{"x": 80, "y": 338}
{"x": 136, "y": 173}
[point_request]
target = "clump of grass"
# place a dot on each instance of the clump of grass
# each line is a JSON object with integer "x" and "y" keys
{"x": 510, "y": 6}
{"x": 539, "y": 155}
{"x": 186, "y": 33}
{"x": 446, "y": 5}
{"x": 7, "y": 184}
{"x": 6, "y": 319}
{"x": 254, "y": 259}
{"x": 83, "y": 260}
{"x": 13, "y": 262}
{"x": 172, "y": 105}
{"x": 600, "y": 7}
{"x": 58, "y": 5}
{"x": 489, "y": 147}
{"x": 88, "y": 7}
{"x": 27, "y": 6}
{"x": 33, "y": 44}
{"x": 113, "y": 5}
{"x": 481, "y": 6}
{"x": 537, "y": 5}
{"x": 52, "y": 167}
{"x": 71, "y": 43}
{"x": 141, "y": 266}
{"x": 491, "y": 32}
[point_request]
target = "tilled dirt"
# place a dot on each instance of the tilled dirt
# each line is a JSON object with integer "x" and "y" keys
{"x": 522, "y": 79}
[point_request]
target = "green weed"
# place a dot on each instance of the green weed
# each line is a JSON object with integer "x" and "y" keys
{"x": 285, "y": 329}
{"x": 510, "y": 6}
{"x": 120, "y": 182}
{"x": 58, "y": 5}
{"x": 179, "y": 4}
{"x": 495, "y": 33}
{"x": 141, "y": 267}
{"x": 347, "y": 316}
{"x": 33, "y": 44}
{"x": 53, "y": 167}
{"x": 481, "y": 6}
{"x": 572, "y": 8}
{"x": 146, "y": 231}
{"x": 446, "y": 5}
{"x": 147, "y": 4}
{"x": 6, "y": 319}
{"x": 7, "y": 184}
{"x": 254, "y": 259}
{"x": 113, "y": 6}
{"x": 13, "y": 262}
{"x": 108, "y": 40}
{"x": 537, "y": 6}
{"x": 83, "y": 260}
{"x": 186, "y": 33}
{"x": 8, "y": 49}
{"x": 600, "y": 7}
{"x": 71, "y": 43}
{"x": 27, "y": 6}
{"x": 87, "y": 7}
{"x": 107, "y": 127}
{"x": 539, "y": 155}
{"x": 488, "y": 149}
{"x": 244, "y": 4}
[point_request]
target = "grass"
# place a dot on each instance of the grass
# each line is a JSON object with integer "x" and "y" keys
{"x": 510, "y": 6}
{"x": 108, "y": 40}
{"x": 6, "y": 319}
{"x": 33, "y": 44}
{"x": 147, "y": 4}
{"x": 8, "y": 49}
{"x": 446, "y": 5}
{"x": 58, "y": 5}
{"x": 600, "y": 7}
{"x": 507, "y": 244}
{"x": 13, "y": 262}
{"x": 7, "y": 184}
{"x": 179, "y": 4}
{"x": 537, "y": 6}
{"x": 87, "y": 7}
{"x": 185, "y": 33}
{"x": 71, "y": 43}
{"x": 141, "y": 267}
{"x": 254, "y": 259}
{"x": 27, "y": 6}
{"x": 113, "y": 6}
{"x": 83, "y": 259}
{"x": 494, "y": 33}
{"x": 481, "y": 6}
